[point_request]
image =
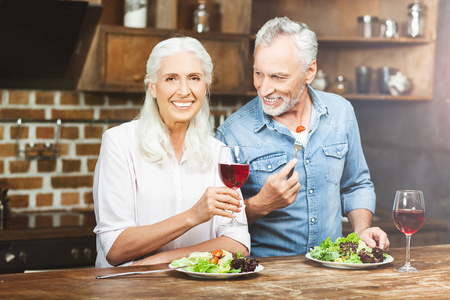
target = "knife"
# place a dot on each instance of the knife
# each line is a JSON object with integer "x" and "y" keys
{"x": 137, "y": 273}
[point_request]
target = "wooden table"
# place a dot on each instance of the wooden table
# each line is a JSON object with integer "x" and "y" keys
{"x": 288, "y": 277}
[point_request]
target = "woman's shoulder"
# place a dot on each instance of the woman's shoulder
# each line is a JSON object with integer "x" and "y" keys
{"x": 127, "y": 129}
{"x": 125, "y": 133}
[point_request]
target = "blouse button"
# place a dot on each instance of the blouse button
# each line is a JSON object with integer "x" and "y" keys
{"x": 339, "y": 152}
{"x": 313, "y": 220}
{"x": 269, "y": 166}
{"x": 311, "y": 191}
{"x": 307, "y": 161}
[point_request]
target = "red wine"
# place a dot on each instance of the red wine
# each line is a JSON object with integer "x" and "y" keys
{"x": 409, "y": 221}
{"x": 234, "y": 176}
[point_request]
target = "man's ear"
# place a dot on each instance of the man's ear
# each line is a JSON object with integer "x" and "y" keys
{"x": 152, "y": 88}
{"x": 311, "y": 72}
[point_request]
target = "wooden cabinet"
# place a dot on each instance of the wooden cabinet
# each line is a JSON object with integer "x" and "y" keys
{"x": 118, "y": 56}
{"x": 341, "y": 51}
{"x": 117, "y": 62}
{"x": 117, "y": 59}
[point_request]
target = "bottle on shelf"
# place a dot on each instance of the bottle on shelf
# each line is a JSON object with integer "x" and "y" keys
{"x": 135, "y": 13}
{"x": 416, "y": 16}
{"x": 340, "y": 86}
{"x": 201, "y": 17}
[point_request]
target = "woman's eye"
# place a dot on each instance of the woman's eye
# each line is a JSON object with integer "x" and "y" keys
{"x": 195, "y": 78}
{"x": 170, "y": 78}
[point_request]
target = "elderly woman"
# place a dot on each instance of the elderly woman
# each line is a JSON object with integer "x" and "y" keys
{"x": 157, "y": 191}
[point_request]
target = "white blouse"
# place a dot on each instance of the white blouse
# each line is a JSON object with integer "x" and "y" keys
{"x": 130, "y": 191}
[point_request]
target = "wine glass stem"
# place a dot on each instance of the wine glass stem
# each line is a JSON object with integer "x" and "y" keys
{"x": 408, "y": 245}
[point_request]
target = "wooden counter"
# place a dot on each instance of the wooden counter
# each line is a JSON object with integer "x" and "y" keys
{"x": 289, "y": 277}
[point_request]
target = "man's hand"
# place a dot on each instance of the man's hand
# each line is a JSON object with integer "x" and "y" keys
{"x": 277, "y": 192}
{"x": 361, "y": 220}
{"x": 375, "y": 237}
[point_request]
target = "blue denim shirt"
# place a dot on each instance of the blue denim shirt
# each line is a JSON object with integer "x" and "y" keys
{"x": 333, "y": 173}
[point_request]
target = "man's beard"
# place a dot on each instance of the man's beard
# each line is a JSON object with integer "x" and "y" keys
{"x": 285, "y": 106}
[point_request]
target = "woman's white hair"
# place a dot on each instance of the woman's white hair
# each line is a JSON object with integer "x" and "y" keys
{"x": 305, "y": 40}
{"x": 153, "y": 133}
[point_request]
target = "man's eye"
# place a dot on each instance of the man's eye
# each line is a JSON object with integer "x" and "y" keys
{"x": 195, "y": 78}
{"x": 277, "y": 77}
{"x": 170, "y": 78}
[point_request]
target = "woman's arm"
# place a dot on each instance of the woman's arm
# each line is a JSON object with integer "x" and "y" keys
{"x": 135, "y": 242}
{"x": 220, "y": 243}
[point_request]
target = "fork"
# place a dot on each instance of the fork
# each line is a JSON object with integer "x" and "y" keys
{"x": 298, "y": 146}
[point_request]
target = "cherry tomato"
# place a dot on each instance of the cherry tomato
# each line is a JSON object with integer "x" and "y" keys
{"x": 218, "y": 253}
{"x": 300, "y": 129}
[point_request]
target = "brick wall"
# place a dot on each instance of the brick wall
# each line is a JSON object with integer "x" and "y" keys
{"x": 38, "y": 181}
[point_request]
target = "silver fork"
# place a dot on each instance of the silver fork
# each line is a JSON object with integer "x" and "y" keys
{"x": 298, "y": 146}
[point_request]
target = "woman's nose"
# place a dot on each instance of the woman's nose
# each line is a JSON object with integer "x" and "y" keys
{"x": 183, "y": 88}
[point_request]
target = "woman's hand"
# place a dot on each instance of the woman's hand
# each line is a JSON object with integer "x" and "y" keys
{"x": 216, "y": 201}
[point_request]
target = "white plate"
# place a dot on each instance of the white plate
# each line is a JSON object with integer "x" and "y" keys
{"x": 350, "y": 266}
{"x": 259, "y": 268}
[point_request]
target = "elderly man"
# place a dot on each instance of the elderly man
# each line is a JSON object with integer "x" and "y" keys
{"x": 291, "y": 215}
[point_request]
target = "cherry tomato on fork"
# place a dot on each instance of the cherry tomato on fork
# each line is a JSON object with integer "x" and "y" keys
{"x": 300, "y": 128}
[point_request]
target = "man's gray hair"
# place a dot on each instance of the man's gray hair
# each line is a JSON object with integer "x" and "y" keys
{"x": 305, "y": 39}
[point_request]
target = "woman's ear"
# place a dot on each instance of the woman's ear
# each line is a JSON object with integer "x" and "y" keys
{"x": 152, "y": 88}
{"x": 311, "y": 72}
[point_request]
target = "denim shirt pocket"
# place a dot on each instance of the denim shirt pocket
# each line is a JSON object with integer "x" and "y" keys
{"x": 335, "y": 160}
{"x": 264, "y": 166}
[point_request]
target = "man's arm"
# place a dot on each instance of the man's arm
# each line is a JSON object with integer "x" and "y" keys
{"x": 277, "y": 192}
{"x": 361, "y": 221}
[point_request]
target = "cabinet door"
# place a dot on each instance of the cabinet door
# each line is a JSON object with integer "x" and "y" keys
{"x": 117, "y": 63}
{"x": 125, "y": 58}
{"x": 230, "y": 64}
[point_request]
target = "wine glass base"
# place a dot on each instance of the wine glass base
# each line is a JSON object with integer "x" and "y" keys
{"x": 407, "y": 269}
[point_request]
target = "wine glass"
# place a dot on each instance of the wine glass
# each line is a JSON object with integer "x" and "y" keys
{"x": 234, "y": 170}
{"x": 409, "y": 215}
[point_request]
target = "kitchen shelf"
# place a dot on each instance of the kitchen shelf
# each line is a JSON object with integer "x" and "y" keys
{"x": 370, "y": 42}
{"x": 386, "y": 97}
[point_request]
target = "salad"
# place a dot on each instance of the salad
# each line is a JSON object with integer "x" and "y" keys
{"x": 350, "y": 249}
{"x": 220, "y": 261}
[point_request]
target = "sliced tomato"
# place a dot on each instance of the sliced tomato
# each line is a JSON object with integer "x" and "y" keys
{"x": 218, "y": 253}
{"x": 214, "y": 260}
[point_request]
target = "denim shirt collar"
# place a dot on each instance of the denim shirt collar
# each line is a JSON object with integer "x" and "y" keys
{"x": 262, "y": 119}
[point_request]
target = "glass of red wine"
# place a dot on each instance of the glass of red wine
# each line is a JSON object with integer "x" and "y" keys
{"x": 409, "y": 215}
{"x": 234, "y": 170}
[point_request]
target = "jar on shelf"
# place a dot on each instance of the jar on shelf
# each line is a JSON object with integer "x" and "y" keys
{"x": 416, "y": 19}
{"x": 201, "y": 17}
{"x": 340, "y": 86}
{"x": 320, "y": 82}
{"x": 368, "y": 26}
{"x": 135, "y": 13}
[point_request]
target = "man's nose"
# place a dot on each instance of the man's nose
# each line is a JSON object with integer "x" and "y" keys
{"x": 265, "y": 87}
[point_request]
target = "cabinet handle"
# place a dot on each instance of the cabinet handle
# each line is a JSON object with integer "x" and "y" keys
{"x": 75, "y": 253}
{"x": 87, "y": 253}
{"x": 9, "y": 257}
{"x": 23, "y": 256}
{"x": 139, "y": 78}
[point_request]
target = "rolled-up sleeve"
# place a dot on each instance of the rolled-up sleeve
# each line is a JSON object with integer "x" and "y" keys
{"x": 357, "y": 190}
{"x": 113, "y": 192}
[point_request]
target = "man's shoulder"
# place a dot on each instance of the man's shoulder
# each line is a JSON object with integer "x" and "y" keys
{"x": 331, "y": 99}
